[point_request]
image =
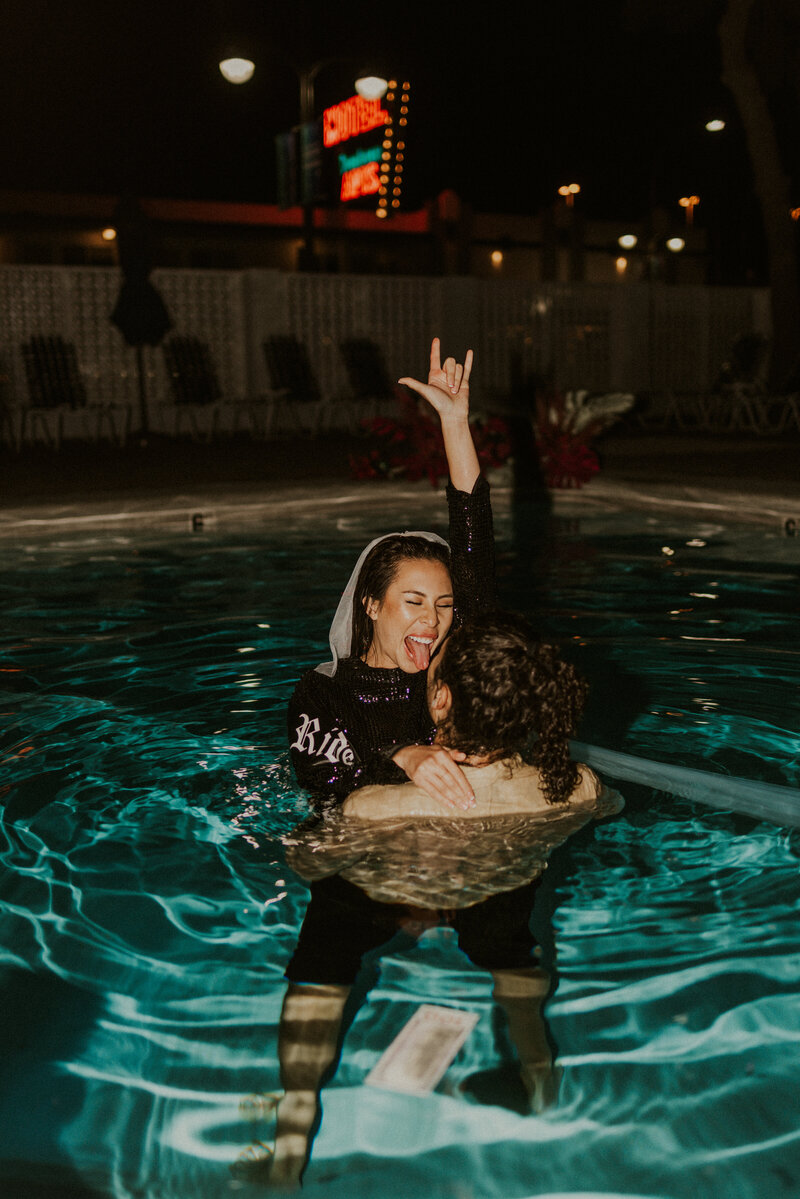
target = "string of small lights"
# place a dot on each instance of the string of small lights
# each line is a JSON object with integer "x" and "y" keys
{"x": 393, "y": 149}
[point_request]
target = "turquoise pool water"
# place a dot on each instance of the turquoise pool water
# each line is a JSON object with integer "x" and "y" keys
{"x": 147, "y": 912}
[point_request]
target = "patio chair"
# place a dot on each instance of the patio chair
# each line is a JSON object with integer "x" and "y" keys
{"x": 302, "y": 408}
{"x": 199, "y": 405}
{"x": 193, "y": 381}
{"x": 55, "y": 387}
{"x": 741, "y": 385}
{"x": 369, "y": 379}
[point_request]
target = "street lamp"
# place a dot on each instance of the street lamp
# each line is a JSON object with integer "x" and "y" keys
{"x": 715, "y": 126}
{"x": 569, "y": 191}
{"x": 371, "y": 87}
{"x": 675, "y": 244}
{"x": 368, "y": 86}
{"x": 628, "y": 241}
{"x": 236, "y": 69}
{"x": 689, "y": 203}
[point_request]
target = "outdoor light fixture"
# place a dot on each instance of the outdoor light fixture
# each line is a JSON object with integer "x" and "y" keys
{"x": 689, "y": 203}
{"x": 715, "y": 126}
{"x": 675, "y": 244}
{"x": 371, "y": 87}
{"x": 628, "y": 241}
{"x": 621, "y": 265}
{"x": 237, "y": 70}
{"x": 497, "y": 258}
{"x": 109, "y": 234}
{"x": 569, "y": 191}
{"x": 368, "y": 172}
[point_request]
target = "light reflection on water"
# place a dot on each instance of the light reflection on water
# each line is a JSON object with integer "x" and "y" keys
{"x": 148, "y": 913}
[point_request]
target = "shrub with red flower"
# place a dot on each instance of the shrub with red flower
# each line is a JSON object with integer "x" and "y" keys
{"x": 410, "y": 446}
{"x": 564, "y": 425}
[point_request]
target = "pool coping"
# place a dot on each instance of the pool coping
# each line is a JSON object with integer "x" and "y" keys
{"x": 229, "y": 505}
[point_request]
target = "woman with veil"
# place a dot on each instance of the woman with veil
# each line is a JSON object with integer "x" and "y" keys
{"x": 362, "y": 716}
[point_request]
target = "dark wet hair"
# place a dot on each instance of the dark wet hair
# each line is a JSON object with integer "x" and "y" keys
{"x": 378, "y": 573}
{"x": 512, "y": 694}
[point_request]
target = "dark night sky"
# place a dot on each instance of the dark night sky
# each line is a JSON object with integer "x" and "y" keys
{"x": 100, "y": 97}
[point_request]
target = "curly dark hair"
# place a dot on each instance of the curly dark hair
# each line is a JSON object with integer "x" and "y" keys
{"x": 512, "y": 694}
{"x": 378, "y": 573}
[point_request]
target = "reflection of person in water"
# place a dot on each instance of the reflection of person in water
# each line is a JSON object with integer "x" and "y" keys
{"x": 393, "y": 860}
{"x": 361, "y": 717}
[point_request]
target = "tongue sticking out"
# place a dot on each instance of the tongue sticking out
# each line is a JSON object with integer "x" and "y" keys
{"x": 419, "y": 653}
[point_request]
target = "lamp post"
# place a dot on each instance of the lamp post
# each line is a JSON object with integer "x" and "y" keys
{"x": 689, "y": 203}
{"x": 569, "y": 191}
{"x": 236, "y": 69}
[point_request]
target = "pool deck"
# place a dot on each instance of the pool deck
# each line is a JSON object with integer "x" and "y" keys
{"x": 169, "y": 485}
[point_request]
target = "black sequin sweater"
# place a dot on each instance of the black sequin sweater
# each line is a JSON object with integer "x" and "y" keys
{"x": 343, "y": 730}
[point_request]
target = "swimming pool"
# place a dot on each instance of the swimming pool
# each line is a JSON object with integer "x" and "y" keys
{"x": 147, "y": 910}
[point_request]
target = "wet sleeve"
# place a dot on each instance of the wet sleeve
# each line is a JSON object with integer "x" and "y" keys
{"x": 472, "y": 549}
{"x": 325, "y": 754}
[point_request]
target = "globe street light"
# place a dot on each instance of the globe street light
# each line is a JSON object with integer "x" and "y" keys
{"x": 371, "y": 87}
{"x": 236, "y": 69}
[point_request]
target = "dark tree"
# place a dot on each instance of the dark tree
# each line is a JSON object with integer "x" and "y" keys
{"x": 759, "y": 41}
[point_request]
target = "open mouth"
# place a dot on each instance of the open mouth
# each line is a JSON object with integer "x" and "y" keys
{"x": 419, "y": 650}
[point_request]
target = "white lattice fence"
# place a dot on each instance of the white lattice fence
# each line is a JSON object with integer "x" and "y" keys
{"x": 209, "y": 305}
{"x": 76, "y": 302}
{"x": 732, "y": 311}
{"x": 551, "y": 330}
{"x": 679, "y": 339}
{"x": 33, "y": 300}
{"x": 580, "y": 336}
{"x": 395, "y": 313}
{"x": 108, "y": 365}
{"x": 507, "y": 331}
{"x": 638, "y": 337}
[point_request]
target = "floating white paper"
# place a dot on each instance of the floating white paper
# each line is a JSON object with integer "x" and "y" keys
{"x": 419, "y": 1055}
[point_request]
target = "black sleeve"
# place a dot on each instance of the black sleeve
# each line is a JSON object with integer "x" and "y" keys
{"x": 471, "y": 550}
{"x": 324, "y": 756}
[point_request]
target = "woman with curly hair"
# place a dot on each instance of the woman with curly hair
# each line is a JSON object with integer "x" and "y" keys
{"x": 394, "y": 858}
{"x": 508, "y": 702}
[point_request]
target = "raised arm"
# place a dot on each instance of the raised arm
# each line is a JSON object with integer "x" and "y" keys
{"x": 447, "y": 390}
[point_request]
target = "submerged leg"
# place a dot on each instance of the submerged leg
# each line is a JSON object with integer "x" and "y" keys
{"x": 521, "y": 994}
{"x": 308, "y": 1038}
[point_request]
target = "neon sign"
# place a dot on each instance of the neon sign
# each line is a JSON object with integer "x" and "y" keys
{"x": 360, "y": 181}
{"x": 348, "y": 162}
{"x": 364, "y": 145}
{"x": 351, "y": 118}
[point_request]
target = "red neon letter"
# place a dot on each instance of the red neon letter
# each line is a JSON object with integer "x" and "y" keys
{"x": 361, "y": 181}
{"x": 350, "y": 118}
